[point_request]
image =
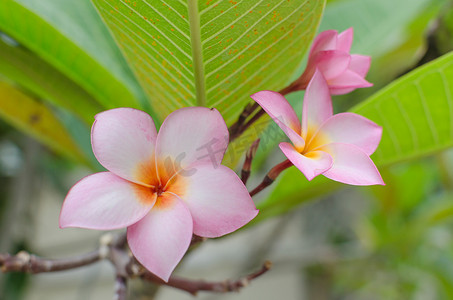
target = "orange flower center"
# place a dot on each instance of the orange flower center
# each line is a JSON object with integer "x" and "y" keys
{"x": 160, "y": 180}
{"x": 158, "y": 189}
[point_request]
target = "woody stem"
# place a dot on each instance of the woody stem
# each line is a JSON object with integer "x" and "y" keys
{"x": 195, "y": 286}
{"x": 271, "y": 176}
{"x": 245, "y": 173}
{"x": 241, "y": 125}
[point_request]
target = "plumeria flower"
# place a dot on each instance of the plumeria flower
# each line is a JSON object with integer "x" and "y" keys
{"x": 336, "y": 146}
{"x": 161, "y": 186}
{"x": 329, "y": 54}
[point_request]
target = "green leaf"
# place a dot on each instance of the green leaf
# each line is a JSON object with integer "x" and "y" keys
{"x": 71, "y": 37}
{"x": 211, "y": 53}
{"x": 32, "y": 73}
{"x": 416, "y": 113}
{"x": 37, "y": 120}
{"x": 378, "y": 25}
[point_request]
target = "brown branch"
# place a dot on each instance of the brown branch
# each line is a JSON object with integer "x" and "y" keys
{"x": 271, "y": 176}
{"x": 120, "y": 288}
{"x": 28, "y": 263}
{"x": 241, "y": 125}
{"x": 196, "y": 240}
{"x": 245, "y": 173}
{"x": 195, "y": 286}
{"x": 248, "y": 110}
{"x": 113, "y": 248}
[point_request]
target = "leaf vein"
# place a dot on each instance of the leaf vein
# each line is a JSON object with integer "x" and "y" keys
{"x": 153, "y": 58}
{"x": 226, "y": 27}
{"x": 408, "y": 122}
{"x": 251, "y": 60}
{"x": 427, "y": 113}
{"x": 158, "y": 30}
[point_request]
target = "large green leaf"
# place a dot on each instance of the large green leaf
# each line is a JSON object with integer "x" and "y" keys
{"x": 211, "y": 53}
{"x": 416, "y": 113}
{"x": 37, "y": 120}
{"x": 71, "y": 37}
{"x": 32, "y": 73}
{"x": 378, "y": 25}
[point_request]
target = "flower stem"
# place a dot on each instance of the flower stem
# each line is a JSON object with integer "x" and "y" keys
{"x": 113, "y": 248}
{"x": 195, "y": 286}
{"x": 245, "y": 173}
{"x": 241, "y": 125}
{"x": 120, "y": 288}
{"x": 271, "y": 176}
{"x": 28, "y": 263}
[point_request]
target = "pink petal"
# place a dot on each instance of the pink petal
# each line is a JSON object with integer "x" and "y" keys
{"x": 123, "y": 142}
{"x": 278, "y": 108}
{"x": 105, "y": 201}
{"x": 326, "y": 40}
{"x": 350, "y": 128}
{"x": 311, "y": 164}
{"x": 349, "y": 79}
{"x": 317, "y": 106}
{"x": 162, "y": 237}
{"x": 341, "y": 91}
{"x": 218, "y": 201}
{"x": 344, "y": 41}
{"x": 331, "y": 63}
{"x": 192, "y": 135}
{"x": 360, "y": 64}
{"x": 351, "y": 165}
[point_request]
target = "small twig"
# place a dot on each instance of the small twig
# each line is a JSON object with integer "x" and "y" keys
{"x": 293, "y": 87}
{"x": 28, "y": 263}
{"x": 120, "y": 288}
{"x": 252, "y": 120}
{"x": 245, "y": 173}
{"x": 113, "y": 248}
{"x": 248, "y": 110}
{"x": 196, "y": 239}
{"x": 271, "y": 176}
{"x": 241, "y": 125}
{"x": 195, "y": 286}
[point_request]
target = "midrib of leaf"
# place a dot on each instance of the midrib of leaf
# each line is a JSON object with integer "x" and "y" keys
{"x": 197, "y": 53}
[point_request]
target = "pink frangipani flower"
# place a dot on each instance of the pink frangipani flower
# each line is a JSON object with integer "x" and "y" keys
{"x": 336, "y": 146}
{"x": 161, "y": 186}
{"x": 329, "y": 54}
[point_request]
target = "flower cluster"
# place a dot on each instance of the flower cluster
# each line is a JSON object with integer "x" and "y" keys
{"x": 337, "y": 146}
{"x": 163, "y": 191}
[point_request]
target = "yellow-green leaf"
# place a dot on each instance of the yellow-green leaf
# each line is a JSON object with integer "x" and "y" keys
{"x": 37, "y": 120}
{"x": 21, "y": 66}
{"x": 70, "y": 36}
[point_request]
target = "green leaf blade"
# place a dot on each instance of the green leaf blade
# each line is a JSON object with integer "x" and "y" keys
{"x": 37, "y": 120}
{"x": 146, "y": 39}
{"x": 83, "y": 51}
{"x": 36, "y": 76}
{"x": 416, "y": 112}
{"x": 260, "y": 49}
{"x": 188, "y": 53}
